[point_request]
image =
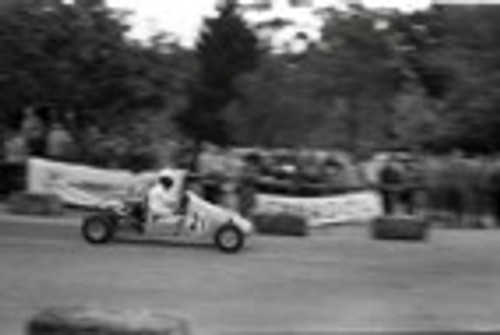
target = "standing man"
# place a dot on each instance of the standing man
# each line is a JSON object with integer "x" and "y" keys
{"x": 412, "y": 184}
{"x": 247, "y": 186}
{"x": 33, "y": 131}
{"x": 60, "y": 143}
{"x": 390, "y": 180}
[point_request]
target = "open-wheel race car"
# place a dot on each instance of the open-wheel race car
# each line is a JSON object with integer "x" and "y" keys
{"x": 196, "y": 221}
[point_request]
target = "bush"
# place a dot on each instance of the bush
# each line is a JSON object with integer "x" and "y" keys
{"x": 399, "y": 228}
{"x": 281, "y": 224}
{"x": 34, "y": 204}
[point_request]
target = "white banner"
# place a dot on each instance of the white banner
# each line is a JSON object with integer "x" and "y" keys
{"x": 351, "y": 207}
{"x": 86, "y": 186}
{"x": 83, "y": 185}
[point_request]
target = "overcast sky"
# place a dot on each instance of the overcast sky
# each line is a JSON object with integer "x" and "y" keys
{"x": 179, "y": 17}
{"x": 183, "y": 17}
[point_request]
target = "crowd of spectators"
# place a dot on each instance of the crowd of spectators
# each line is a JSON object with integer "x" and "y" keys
{"x": 306, "y": 173}
{"x": 457, "y": 190}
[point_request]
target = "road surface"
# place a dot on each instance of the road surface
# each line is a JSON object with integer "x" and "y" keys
{"x": 337, "y": 279}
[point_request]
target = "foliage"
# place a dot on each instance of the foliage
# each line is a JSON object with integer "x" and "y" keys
{"x": 76, "y": 59}
{"x": 463, "y": 65}
{"x": 375, "y": 80}
{"x": 277, "y": 105}
{"x": 379, "y": 80}
{"x": 335, "y": 95}
{"x": 226, "y": 49}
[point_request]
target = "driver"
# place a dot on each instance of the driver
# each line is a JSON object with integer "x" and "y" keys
{"x": 163, "y": 200}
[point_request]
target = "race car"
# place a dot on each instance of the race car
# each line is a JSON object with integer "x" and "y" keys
{"x": 198, "y": 222}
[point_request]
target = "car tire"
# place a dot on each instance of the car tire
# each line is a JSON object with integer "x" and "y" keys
{"x": 229, "y": 239}
{"x": 97, "y": 229}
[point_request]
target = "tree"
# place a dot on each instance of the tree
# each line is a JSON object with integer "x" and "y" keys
{"x": 226, "y": 49}
{"x": 333, "y": 95}
{"x": 455, "y": 55}
{"x": 76, "y": 58}
{"x": 55, "y": 55}
{"x": 358, "y": 75}
{"x": 356, "y": 90}
{"x": 381, "y": 79}
{"x": 278, "y": 104}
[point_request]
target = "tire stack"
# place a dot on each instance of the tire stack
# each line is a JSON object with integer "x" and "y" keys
{"x": 25, "y": 203}
{"x": 13, "y": 178}
{"x": 281, "y": 224}
{"x": 85, "y": 321}
{"x": 400, "y": 227}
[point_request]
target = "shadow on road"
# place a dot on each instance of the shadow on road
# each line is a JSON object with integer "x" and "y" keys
{"x": 157, "y": 242}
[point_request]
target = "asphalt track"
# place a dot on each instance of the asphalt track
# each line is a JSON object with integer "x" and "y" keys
{"x": 335, "y": 280}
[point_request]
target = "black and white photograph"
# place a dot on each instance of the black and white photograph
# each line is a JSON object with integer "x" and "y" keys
{"x": 249, "y": 167}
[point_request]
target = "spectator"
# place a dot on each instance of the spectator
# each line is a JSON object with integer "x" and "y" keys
{"x": 390, "y": 185}
{"x": 411, "y": 184}
{"x": 211, "y": 166}
{"x": 459, "y": 186}
{"x": 212, "y": 189}
{"x": 33, "y": 131}
{"x": 247, "y": 186}
{"x": 60, "y": 144}
{"x": 331, "y": 171}
{"x": 16, "y": 149}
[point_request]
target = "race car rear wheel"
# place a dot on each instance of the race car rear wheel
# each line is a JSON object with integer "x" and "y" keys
{"x": 229, "y": 239}
{"x": 97, "y": 229}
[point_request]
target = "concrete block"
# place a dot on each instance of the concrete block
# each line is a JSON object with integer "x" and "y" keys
{"x": 34, "y": 204}
{"x": 281, "y": 224}
{"x": 399, "y": 227}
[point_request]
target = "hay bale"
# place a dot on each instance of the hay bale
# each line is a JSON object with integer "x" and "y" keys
{"x": 281, "y": 224}
{"x": 398, "y": 227}
{"x": 91, "y": 321}
{"x": 34, "y": 204}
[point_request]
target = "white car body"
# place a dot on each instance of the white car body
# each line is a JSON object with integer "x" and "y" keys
{"x": 206, "y": 218}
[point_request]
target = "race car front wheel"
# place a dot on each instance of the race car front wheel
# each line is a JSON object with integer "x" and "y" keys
{"x": 97, "y": 229}
{"x": 229, "y": 239}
